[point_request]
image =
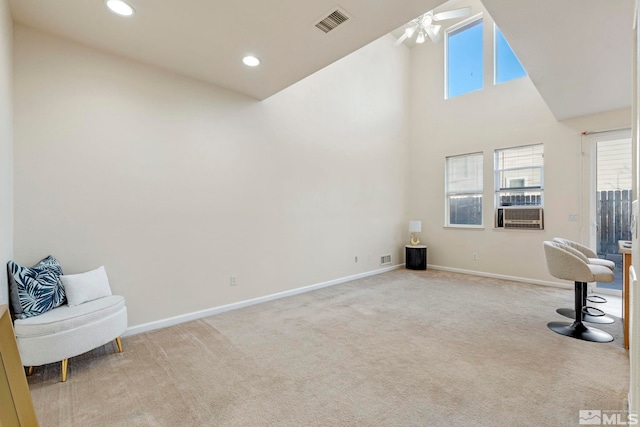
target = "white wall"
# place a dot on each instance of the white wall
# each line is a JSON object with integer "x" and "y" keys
{"x": 510, "y": 114}
{"x": 175, "y": 185}
{"x": 6, "y": 145}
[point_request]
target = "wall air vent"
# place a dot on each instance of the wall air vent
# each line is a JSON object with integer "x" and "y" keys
{"x": 332, "y": 20}
{"x": 385, "y": 259}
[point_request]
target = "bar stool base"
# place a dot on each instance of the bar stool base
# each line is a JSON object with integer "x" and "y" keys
{"x": 579, "y": 331}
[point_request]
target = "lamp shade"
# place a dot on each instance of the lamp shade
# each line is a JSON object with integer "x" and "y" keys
{"x": 415, "y": 226}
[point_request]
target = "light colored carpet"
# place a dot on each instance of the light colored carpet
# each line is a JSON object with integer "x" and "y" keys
{"x": 403, "y": 348}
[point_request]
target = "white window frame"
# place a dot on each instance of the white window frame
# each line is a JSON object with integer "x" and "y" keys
{"x": 498, "y": 190}
{"x": 478, "y": 192}
{"x": 451, "y": 29}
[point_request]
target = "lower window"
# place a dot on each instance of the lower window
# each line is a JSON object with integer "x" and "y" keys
{"x": 463, "y": 190}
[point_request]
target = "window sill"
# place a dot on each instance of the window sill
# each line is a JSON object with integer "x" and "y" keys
{"x": 465, "y": 227}
{"x": 509, "y": 230}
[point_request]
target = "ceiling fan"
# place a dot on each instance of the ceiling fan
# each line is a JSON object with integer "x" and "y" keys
{"x": 429, "y": 25}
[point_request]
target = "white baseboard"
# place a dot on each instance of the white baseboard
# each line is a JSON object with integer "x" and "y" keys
{"x": 171, "y": 321}
{"x": 503, "y": 277}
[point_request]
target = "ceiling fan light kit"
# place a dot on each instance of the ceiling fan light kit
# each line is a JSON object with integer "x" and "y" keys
{"x": 429, "y": 25}
{"x": 409, "y": 32}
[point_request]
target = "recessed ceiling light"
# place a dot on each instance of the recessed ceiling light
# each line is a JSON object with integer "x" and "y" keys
{"x": 119, "y": 7}
{"x": 251, "y": 61}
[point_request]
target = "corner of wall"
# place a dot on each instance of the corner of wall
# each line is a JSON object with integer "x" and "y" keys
{"x": 6, "y": 143}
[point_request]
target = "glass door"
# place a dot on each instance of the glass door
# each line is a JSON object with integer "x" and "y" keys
{"x": 613, "y": 176}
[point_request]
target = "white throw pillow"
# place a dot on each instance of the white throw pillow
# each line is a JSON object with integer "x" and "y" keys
{"x": 86, "y": 287}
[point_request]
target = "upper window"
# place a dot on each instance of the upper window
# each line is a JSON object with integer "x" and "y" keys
{"x": 519, "y": 176}
{"x": 506, "y": 66}
{"x": 463, "y": 50}
{"x": 463, "y": 188}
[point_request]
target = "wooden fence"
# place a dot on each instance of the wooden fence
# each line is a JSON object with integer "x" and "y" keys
{"x": 613, "y": 213}
{"x": 520, "y": 200}
{"x": 465, "y": 210}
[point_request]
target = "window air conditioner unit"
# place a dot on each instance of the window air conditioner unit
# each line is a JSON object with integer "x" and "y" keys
{"x": 521, "y": 218}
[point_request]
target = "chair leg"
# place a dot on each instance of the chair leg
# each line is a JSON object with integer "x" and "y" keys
{"x": 119, "y": 344}
{"x": 29, "y": 371}
{"x": 63, "y": 369}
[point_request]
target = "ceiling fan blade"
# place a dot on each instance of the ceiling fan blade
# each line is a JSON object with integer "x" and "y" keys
{"x": 433, "y": 31}
{"x": 453, "y": 14}
{"x": 402, "y": 38}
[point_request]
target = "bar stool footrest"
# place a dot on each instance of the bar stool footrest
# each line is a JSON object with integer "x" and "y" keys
{"x": 597, "y": 299}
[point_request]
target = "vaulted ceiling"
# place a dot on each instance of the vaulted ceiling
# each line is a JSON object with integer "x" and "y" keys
{"x": 577, "y": 52}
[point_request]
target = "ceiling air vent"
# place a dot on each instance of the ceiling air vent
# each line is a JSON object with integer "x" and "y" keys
{"x": 332, "y": 20}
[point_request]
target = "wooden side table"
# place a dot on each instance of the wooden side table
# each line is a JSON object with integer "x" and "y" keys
{"x": 624, "y": 247}
{"x": 416, "y": 257}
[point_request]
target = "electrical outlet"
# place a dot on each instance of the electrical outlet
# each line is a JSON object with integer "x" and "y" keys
{"x": 474, "y": 256}
{"x": 233, "y": 281}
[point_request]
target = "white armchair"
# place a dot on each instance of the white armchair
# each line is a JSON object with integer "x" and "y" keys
{"x": 47, "y": 330}
{"x": 65, "y": 332}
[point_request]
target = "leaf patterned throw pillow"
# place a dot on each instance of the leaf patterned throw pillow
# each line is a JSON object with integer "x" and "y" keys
{"x": 39, "y": 287}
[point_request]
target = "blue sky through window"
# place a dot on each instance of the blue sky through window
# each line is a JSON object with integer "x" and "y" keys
{"x": 507, "y": 65}
{"x": 464, "y": 59}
